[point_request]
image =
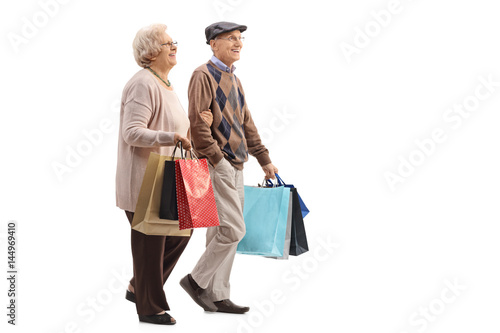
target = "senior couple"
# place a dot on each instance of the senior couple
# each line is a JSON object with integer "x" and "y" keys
{"x": 219, "y": 128}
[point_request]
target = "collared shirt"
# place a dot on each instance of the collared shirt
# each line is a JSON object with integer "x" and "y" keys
{"x": 222, "y": 66}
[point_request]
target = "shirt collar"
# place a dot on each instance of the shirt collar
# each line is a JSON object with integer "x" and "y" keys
{"x": 222, "y": 66}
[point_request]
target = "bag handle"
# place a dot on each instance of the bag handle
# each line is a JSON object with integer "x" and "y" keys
{"x": 184, "y": 156}
{"x": 182, "y": 151}
{"x": 193, "y": 155}
{"x": 268, "y": 183}
{"x": 279, "y": 181}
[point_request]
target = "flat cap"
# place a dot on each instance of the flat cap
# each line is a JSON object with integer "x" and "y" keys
{"x": 217, "y": 28}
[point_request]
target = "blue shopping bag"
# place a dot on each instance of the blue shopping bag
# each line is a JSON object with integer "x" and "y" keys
{"x": 303, "y": 207}
{"x": 265, "y": 213}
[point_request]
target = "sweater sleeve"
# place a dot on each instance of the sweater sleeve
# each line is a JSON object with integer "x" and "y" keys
{"x": 137, "y": 113}
{"x": 254, "y": 143}
{"x": 200, "y": 99}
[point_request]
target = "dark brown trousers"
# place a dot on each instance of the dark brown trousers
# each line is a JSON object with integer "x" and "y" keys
{"x": 154, "y": 259}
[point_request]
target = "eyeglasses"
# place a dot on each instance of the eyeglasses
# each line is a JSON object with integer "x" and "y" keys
{"x": 169, "y": 44}
{"x": 232, "y": 38}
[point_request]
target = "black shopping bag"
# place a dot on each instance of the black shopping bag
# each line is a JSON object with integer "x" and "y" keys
{"x": 168, "y": 204}
{"x": 298, "y": 239}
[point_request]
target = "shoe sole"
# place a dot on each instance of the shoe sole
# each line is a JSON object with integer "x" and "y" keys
{"x": 232, "y": 312}
{"x": 187, "y": 287}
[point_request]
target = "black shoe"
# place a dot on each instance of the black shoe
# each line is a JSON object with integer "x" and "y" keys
{"x": 130, "y": 296}
{"x": 229, "y": 307}
{"x": 163, "y": 319}
{"x": 199, "y": 295}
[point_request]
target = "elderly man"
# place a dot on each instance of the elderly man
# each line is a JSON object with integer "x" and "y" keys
{"x": 226, "y": 144}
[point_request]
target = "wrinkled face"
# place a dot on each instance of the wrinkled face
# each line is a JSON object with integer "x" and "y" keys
{"x": 227, "y": 47}
{"x": 167, "y": 56}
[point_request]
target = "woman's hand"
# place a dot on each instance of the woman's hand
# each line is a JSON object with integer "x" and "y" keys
{"x": 186, "y": 144}
{"x": 207, "y": 117}
{"x": 270, "y": 170}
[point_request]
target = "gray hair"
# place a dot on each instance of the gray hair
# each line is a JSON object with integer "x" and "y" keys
{"x": 147, "y": 42}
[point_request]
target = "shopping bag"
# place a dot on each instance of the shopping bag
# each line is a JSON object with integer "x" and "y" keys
{"x": 304, "y": 210}
{"x": 195, "y": 196}
{"x": 288, "y": 234}
{"x": 146, "y": 217}
{"x": 168, "y": 203}
{"x": 298, "y": 240}
{"x": 265, "y": 213}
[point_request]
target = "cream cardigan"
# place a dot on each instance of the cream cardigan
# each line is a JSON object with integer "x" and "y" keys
{"x": 150, "y": 115}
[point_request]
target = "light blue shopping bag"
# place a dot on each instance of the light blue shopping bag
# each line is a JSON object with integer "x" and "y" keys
{"x": 265, "y": 212}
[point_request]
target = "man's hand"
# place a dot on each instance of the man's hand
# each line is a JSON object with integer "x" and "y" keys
{"x": 270, "y": 170}
{"x": 207, "y": 117}
{"x": 186, "y": 144}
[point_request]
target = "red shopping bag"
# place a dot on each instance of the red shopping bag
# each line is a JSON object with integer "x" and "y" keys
{"x": 195, "y": 195}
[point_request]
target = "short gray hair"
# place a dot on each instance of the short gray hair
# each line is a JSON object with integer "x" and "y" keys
{"x": 147, "y": 42}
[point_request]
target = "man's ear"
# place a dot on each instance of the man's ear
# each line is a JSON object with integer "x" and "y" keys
{"x": 212, "y": 44}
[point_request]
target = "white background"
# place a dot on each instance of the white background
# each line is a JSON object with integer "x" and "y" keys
{"x": 334, "y": 126}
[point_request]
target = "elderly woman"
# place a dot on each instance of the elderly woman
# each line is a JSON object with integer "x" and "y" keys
{"x": 151, "y": 120}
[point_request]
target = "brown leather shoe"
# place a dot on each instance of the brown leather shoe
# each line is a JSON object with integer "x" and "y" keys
{"x": 198, "y": 295}
{"x": 163, "y": 319}
{"x": 229, "y": 307}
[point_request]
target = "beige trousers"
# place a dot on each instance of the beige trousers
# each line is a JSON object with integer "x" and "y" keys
{"x": 213, "y": 270}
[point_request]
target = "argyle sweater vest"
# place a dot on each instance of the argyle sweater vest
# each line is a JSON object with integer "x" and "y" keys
{"x": 233, "y": 134}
